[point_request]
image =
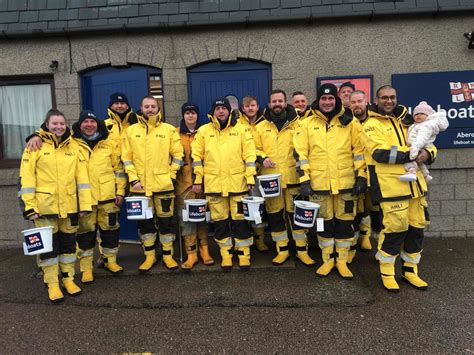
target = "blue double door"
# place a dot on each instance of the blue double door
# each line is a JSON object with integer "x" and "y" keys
{"x": 205, "y": 83}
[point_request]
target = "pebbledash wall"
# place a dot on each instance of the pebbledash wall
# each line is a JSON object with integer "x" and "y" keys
{"x": 298, "y": 53}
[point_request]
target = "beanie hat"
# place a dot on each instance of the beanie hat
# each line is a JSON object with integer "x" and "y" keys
{"x": 423, "y": 107}
{"x": 327, "y": 89}
{"x": 189, "y": 106}
{"x": 86, "y": 114}
{"x": 118, "y": 97}
{"x": 221, "y": 101}
{"x": 347, "y": 84}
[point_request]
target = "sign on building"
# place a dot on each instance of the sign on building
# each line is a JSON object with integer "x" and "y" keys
{"x": 451, "y": 91}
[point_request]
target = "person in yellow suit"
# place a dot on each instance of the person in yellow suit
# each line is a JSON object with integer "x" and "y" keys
{"x": 250, "y": 115}
{"x": 403, "y": 204}
{"x": 275, "y": 152}
{"x": 54, "y": 191}
{"x": 333, "y": 173}
{"x": 152, "y": 154}
{"x": 190, "y": 231}
{"x": 108, "y": 182}
{"x": 223, "y": 154}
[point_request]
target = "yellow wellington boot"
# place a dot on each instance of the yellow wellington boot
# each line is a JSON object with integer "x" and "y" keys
{"x": 365, "y": 231}
{"x": 166, "y": 241}
{"x": 51, "y": 279}
{"x": 110, "y": 261}
{"x": 387, "y": 270}
{"x": 191, "y": 251}
{"x": 283, "y": 251}
{"x": 243, "y": 252}
{"x": 225, "y": 246}
{"x": 86, "y": 265}
{"x": 327, "y": 253}
{"x": 410, "y": 270}
{"x": 342, "y": 252}
{"x": 353, "y": 249}
{"x": 259, "y": 237}
{"x": 203, "y": 246}
{"x": 301, "y": 242}
{"x": 148, "y": 241}
{"x": 66, "y": 264}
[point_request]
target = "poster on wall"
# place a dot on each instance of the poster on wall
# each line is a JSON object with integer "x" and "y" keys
{"x": 451, "y": 91}
{"x": 361, "y": 82}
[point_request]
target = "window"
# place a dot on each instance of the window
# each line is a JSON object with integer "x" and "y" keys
{"x": 23, "y": 106}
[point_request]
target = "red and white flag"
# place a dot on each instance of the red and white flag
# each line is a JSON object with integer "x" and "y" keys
{"x": 462, "y": 92}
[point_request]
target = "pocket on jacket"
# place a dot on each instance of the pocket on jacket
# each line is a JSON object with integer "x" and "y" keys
{"x": 106, "y": 187}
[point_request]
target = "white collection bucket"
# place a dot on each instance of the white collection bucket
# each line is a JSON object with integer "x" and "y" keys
{"x": 195, "y": 210}
{"x": 253, "y": 208}
{"x": 269, "y": 185}
{"x": 38, "y": 240}
{"x": 137, "y": 208}
{"x": 305, "y": 213}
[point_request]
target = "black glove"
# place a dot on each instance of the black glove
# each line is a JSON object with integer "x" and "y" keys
{"x": 305, "y": 189}
{"x": 360, "y": 186}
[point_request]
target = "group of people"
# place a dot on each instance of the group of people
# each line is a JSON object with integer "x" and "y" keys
{"x": 340, "y": 152}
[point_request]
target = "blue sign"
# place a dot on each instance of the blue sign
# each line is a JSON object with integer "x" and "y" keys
{"x": 451, "y": 91}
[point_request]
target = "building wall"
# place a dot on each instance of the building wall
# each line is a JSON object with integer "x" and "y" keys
{"x": 297, "y": 53}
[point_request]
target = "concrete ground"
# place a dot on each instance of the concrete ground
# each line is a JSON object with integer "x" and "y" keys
{"x": 265, "y": 310}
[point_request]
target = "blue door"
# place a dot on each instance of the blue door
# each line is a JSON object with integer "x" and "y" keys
{"x": 209, "y": 81}
{"x": 96, "y": 88}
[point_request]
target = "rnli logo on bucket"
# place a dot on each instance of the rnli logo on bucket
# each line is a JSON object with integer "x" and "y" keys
{"x": 197, "y": 211}
{"x": 33, "y": 242}
{"x": 134, "y": 208}
{"x": 303, "y": 216}
{"x": 270, "y": 187}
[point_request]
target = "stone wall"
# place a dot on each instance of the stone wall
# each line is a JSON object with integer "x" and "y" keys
{"x": 297, "y": 54}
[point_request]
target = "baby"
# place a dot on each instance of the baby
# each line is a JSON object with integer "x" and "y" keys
{"x": 422, "y": 134}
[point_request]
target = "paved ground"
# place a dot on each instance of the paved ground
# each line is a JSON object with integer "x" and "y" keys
{"x": 266, "y": 310}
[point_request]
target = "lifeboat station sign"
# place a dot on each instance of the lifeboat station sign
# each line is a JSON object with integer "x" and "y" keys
{"x": 451, "y": 91}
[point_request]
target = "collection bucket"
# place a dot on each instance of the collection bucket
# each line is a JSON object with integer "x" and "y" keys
{"x": 305, "y": 213}
{"x": 253, "y": 208}
{"x": 269, "y": 185}
{"x": 38, "y": 240}
{"x": 137, "y": 208}
{"x": 196, "y": 209}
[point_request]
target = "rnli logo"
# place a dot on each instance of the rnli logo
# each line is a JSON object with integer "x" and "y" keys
{"x": 46, "y": 153}
{"x": 396, "y": 206}
{"x": 138, "y": 136}
{"x": 235, "y": 134}
{"x": 160, "y": 136}
{"x": 369, "y": 129}
{"x": 69, "y": 154}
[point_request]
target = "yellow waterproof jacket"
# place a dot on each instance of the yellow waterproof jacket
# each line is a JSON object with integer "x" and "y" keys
{"x": 106, "y": 175}
{"x": 54, "y": 178}
{"x": 304, "y": 114}
{"x": 244, "y": 120}
{"x": 386, "y": 151}
{"x": 184, "y": 178}
{"x": 224, "y": 159}
{"x": 330, "y": 153}
{"x": 152, "y": 154}
{"x": 116, "y": 126}
{"x": 278, "y": 146}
